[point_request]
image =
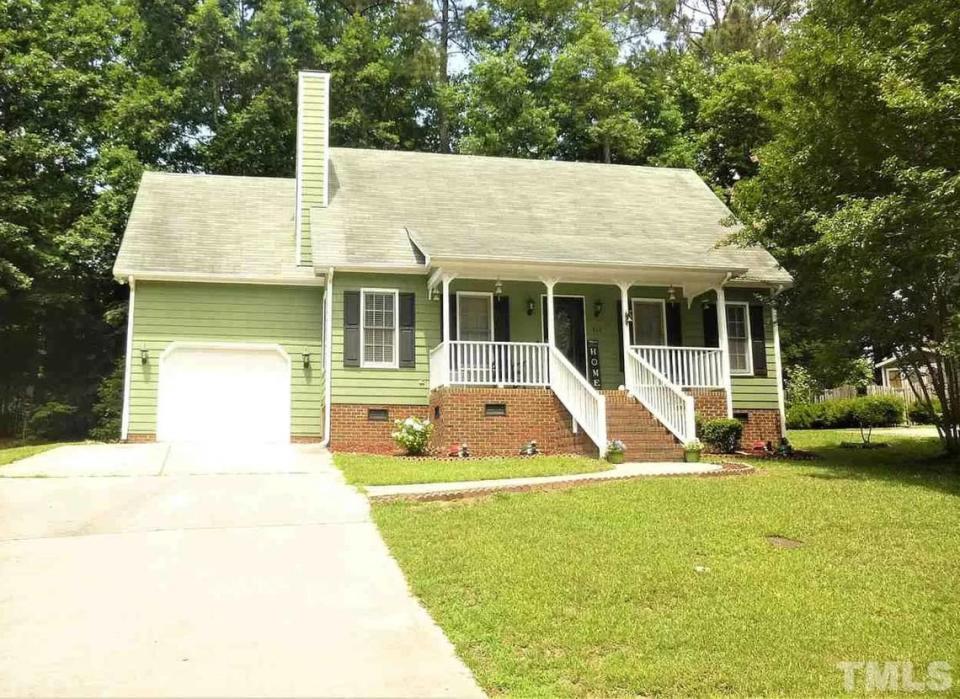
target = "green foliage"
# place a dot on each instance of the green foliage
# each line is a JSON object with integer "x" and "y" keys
{"x": 800, "y": 387}
{"x": 108, "y": 409}
{"x": 877, "y": 411}
{"x": 53, "y": 420}
{"x": 412, "y": 435}
{"x": 722, "y": 434}
{"x": 923, "y": 413}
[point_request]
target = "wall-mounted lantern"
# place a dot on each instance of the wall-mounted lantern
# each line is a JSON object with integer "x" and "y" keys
{"x": 629, "y": 316}
{"x": 306, "y": 360}
{"x": 530, "y": 307}
{"x": 498, "y": 289}
{"x": 597, "y": 308}
{"x": 144, "y": 356}
{"x": 672, "y": 294}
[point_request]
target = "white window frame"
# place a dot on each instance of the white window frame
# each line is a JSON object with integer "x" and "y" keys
{"x": 634, "y": 300}
{"x": 746, "y": 322}
{"x": 395, "y": 364}
{"x": 489, "y": 295}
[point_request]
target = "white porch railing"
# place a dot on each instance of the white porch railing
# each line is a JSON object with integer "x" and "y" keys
{"x": 663, "y": 398}
{"x": 465, "y": 363}
{"x": 582, "y": 401}
{"x": 691, "y": 367}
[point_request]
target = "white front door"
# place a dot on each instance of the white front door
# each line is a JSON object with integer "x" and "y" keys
{"x": 223, "y": 393}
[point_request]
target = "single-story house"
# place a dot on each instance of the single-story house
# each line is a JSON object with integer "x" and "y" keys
{"x": 506, "y": 300}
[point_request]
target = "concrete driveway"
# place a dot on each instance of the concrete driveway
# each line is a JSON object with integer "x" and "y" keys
{"x": 123, "y": 575}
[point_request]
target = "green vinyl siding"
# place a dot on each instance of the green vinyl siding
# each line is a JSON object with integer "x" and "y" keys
{"x": 313, "y": 158}
{"x": 385, "y": 386}
{"x": 289, "y": 316}
{"x": 757, "y": 391}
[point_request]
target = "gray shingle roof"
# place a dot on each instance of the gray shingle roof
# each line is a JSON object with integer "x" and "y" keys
{"x": 241, "y": 227}
{"x": 474, "y": 207}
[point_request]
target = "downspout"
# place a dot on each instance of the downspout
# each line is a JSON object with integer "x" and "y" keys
{"x": 327, "y": 355}
{"x": 128, "y": 365}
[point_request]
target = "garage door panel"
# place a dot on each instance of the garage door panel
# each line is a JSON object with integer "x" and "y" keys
{"x": 215, "y": 394}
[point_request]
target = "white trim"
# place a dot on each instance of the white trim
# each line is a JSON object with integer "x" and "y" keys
{"x": 395, "y": 364}
{"x": 781, "y": 402}
{"x": 298, "y": 214}
{"x": 128, "y": 367}
{"x": 226, "y": 279}
{"x": 725, "y": 347}
{"x": 230, "y": 346}
{"x": 486, "y": 294}
{"x": 586, "y": 339}
{"x": 663, "y": 317}
{"x": 746, "y": 322}
{"x": 326, "y": 140}
{"x": 327, "y": 356}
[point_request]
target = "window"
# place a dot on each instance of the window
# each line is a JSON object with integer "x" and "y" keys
{"x": 649, "y": 323}
{"x": 738, "y": 338}
{"x": 475, "y": 316}
{"x": 379, "y": 328}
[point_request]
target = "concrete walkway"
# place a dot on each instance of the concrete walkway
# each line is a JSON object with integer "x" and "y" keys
{"x": 267, "y": 583}
{"x": 428, "y": 491}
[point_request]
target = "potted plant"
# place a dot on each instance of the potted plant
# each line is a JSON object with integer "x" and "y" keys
{"x": 692, "y": 451}
{"x": 615, "y": 451}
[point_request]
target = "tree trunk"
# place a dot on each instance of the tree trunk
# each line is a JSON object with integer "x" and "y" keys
{"x": 443, "y": 118}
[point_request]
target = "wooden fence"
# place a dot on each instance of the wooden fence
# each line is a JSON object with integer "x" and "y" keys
{"x": 906, "y": 394}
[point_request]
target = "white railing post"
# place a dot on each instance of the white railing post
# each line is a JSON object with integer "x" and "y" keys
{"x": 624, "y": 311}
{"x": 724, "y": 347}
{"x": 666, "y": 401}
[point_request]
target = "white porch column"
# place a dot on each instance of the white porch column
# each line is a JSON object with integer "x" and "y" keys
{"x": 624, "y": 310}
{"x": 779, "y": 373}
{"x": 724, "y": 347}
{"x": 551, "y": 331}
{"x": 445, "y": 322}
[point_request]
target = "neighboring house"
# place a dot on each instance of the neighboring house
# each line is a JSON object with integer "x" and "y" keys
{"x": 894, "y": 376}
{"x": 504, "y": 299}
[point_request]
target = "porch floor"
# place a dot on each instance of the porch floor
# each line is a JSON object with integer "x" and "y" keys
{"x": 444, "y": 491}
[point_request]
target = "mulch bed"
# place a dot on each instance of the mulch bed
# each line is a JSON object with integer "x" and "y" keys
{"x": 797, "y": 455}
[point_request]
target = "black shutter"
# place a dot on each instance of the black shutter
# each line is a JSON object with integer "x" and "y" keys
{"x": 620, "y": 331}
{"x": 758, "y": 341}
{"x": 711, "y": 331}
{"x": 454, "y": 335}
{"x": 674, "y": 323}
{"x": 501, "y": 318}
{"x": 351, "y": 328}
{"x": 408, "y": 325}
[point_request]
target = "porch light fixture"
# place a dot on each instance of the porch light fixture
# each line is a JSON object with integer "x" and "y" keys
{"x": 629, "y": 316}
{"x": 144, "y": 356}
{"x": 498, "y": 288}
{"x": 530, "y": 307}
{"x": 672, "y": 294}
{"x": 306, "y": 360}
{"x": 597, "y": 308}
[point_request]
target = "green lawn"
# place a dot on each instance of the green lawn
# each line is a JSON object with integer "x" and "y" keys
{"x": 670, "y": 586}
{"x": 364, "y": 469}
{"x": 10, "y": 454}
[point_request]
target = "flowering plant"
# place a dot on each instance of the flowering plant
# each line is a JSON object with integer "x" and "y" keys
{"x": 616, "y": 446}
{"x": 693, "y": 445}
{"x": 412, "y": 435}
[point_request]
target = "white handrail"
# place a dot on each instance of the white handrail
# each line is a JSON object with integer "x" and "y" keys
{"x": 692, "y": 367}
{"x": 663, "y": 398}
{"x": 439, "y": 366}
{"x": 472, "y": 363}
{"x": 582, "y": 401}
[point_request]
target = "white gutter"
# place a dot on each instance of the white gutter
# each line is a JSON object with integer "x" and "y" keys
{"x": 125, "y": 415}
{"x": 327, "y": 355}
{"x": 223, "y": 278}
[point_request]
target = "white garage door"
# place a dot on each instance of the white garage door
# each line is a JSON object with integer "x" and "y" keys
{"x": 223, "y": 393}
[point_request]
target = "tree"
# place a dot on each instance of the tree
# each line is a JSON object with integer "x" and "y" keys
{"x": 859, "y": 193}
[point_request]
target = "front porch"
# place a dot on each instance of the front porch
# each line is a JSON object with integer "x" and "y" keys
{"x": 659, "y": 342}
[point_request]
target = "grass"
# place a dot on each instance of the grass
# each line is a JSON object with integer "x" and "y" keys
{"x": 10, "y": 454}
{"x": 670, "y": 586}
{"x": 364, "y": 469}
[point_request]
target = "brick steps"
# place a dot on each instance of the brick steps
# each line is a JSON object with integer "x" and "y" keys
{"x": 645, "y": 437}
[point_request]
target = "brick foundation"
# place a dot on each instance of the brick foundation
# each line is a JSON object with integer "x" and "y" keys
{"x": 352, "y": 430}
{"x": 531, "y": 414}
{"x": 141, "y": 438}
{"x": 760, "y": 425}
{"x": 709, "y": 403}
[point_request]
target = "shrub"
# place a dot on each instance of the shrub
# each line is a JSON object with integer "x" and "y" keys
{"x": 109, "y": 406}
{"x": 806, "y": 416}
{"x": 412, "y": 435}
{"x": 52, "y": 420}
{"x": 723, "y": 434}
{"x": 801, "y": 387}
{"x": 923, "y": 413}
{"x": 876, "y": 411}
